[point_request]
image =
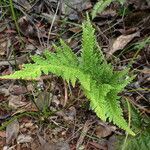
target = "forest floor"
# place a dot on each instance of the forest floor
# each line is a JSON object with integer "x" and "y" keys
{"x": 67, "y": 122}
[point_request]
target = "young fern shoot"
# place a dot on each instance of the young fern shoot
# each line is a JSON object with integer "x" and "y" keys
{"x": 100, "y": 83}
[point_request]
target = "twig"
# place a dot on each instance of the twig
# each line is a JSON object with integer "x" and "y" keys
{"x": 49, "y": 33}
{"x": 66, "y": 94}
{"x": 86, "y": 127}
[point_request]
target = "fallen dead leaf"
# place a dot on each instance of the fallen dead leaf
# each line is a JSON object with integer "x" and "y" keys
{"x": 75, "y": 29}
{"x": 145, "y": 71}
{"x": 3, "y": 46}
{"x": 30, "y": 88}
{"x": 68, "y": 115}
{"x": 2, "y": 134}
{"x": 26, "y": 28}
{"x": 121, "y": 42}
{"x": 24, "y": 139}
{"x": 12, "y": 131}
{"x": 30, "y": 47}
{"x": 69, "y": 7}
{"x": 17, "y": 90}
{"x": 4, "y": 91}
{"x": 104, "y": 131}
{"x": 15, "y": 101}
{"x": 28, "y": 125}
{"x": 140, "y": 4}
{"x": 44, "y": 100}
{"x": 9, "y": 148}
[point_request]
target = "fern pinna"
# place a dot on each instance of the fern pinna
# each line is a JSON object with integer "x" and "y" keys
{"x": 100, "y": 83}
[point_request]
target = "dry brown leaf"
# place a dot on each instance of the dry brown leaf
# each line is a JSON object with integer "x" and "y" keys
{"x": 103, "y": 131}
{"x": 24, "y": 139}
{"x": 145, "y": 71}
{"x": 2, "y": 134}
{"x": 12, "y": 131}
{"x": 121, "y": 42}
{"x": 30, "y": 47}
{"x": 44, "y": 100}
{"x": 18, "y": 90}
{"x": 15, "y": 101}
{"x": 69, "y": 7}
{"x": 4, "y": 91}
{"x": 26, "y": 28}
{"x": 56, "y": 146}
{"x": 75, "y": 29}
{"x": 3, "y": 46}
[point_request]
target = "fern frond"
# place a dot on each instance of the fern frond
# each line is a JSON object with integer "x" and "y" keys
{"x": 97, "y": 96}
{"x": 140, "y": 142}
{"x": 90, "y": 55}
{"x": 67, "y": 51}
{"x": 29, "y": 72}
{"x": 100, "y": 6}
{"x": 97, "y": 78}
{"x": 115, "y": 112}
{"x": 120, "y": 79}
{"x": 88, "y": 45}
{"x": 69, "y": 74}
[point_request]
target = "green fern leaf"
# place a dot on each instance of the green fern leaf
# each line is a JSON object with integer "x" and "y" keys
{"x": 91, "y": 56}
{"x": 100, "y": 6}
{"x": 29, "y": 72}
{"x": 97, "y": 78}
{"x": 139, "y": 142}
{"x": 97, "y": 96}
{"x": 115, "y": 112}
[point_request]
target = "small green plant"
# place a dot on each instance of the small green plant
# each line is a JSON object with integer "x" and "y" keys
{"x": 100, "y": 83}
{"x": 101, "y": 5}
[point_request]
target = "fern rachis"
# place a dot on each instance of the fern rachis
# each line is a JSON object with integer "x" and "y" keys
{"x": 100, "y": 83}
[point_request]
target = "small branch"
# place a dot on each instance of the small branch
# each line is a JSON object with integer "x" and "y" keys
{"x": 86, "y": 127}
{"x": 66, "y": 94}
